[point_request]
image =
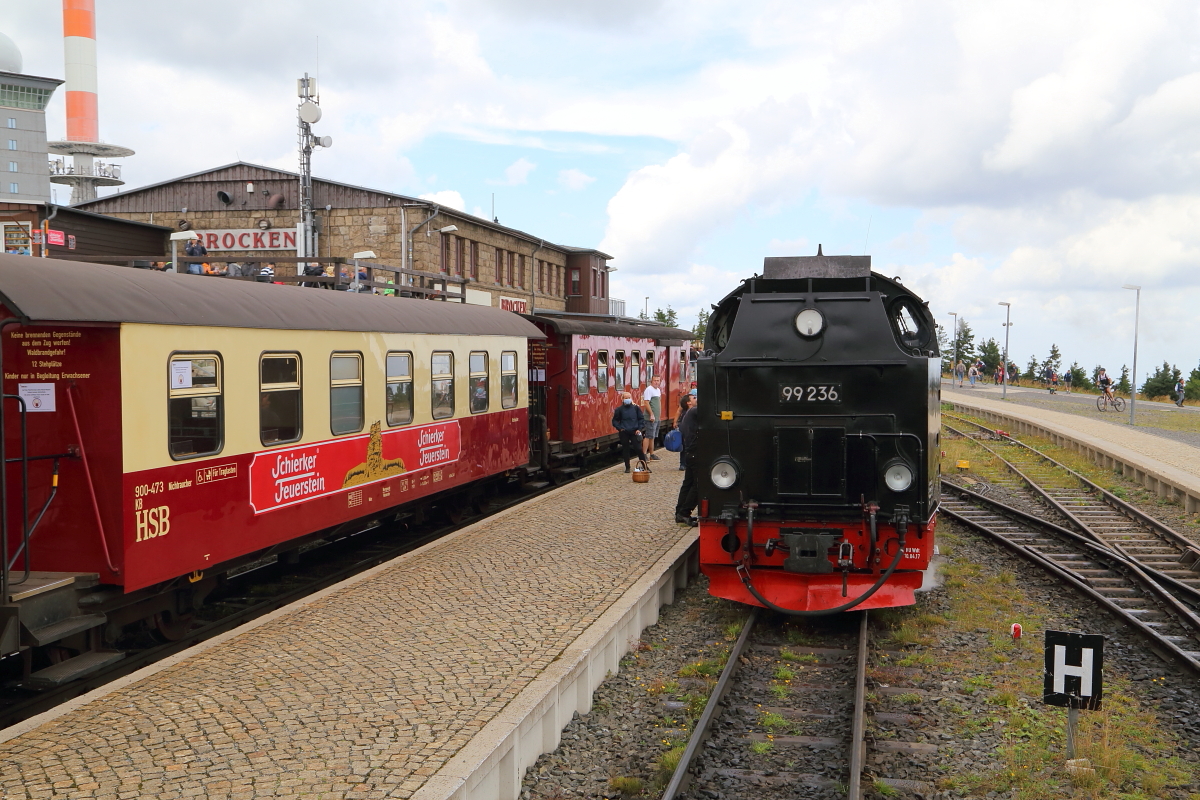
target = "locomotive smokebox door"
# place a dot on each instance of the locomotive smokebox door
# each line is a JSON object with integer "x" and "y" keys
{"x": 809, "y": 552}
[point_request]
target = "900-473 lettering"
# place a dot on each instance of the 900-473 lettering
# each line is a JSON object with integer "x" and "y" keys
{"x": 810, "y": 393}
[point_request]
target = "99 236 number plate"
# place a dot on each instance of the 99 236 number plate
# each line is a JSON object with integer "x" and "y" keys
{"x": 810, "y": 393}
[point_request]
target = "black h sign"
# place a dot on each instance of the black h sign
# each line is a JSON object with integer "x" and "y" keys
{"x": 1074, "y": 664}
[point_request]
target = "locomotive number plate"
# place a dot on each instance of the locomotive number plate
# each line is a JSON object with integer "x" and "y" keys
{"x": 810, "y": 393}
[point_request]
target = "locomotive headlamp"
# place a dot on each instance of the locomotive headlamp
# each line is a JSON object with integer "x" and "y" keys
{"x": 724, "y": 474}
{"x": 810, "y": 323}
{"x": 898, "y": 476}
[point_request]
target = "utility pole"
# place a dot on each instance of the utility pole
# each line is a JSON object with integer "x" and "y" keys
{"x": 1137, "y": 312}
{"x": 954, "y": 364}
{"x": 1007, "y": 325}
{"x": 308, "y": 113}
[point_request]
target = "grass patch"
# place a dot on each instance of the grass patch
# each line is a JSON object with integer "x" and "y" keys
{"x": 779, "y": 691}
{"x": 694, "y": 704}
{"x": 884, "y": 789}
{"x": 733, "y": 630}
{"x": 659, "y": 686}
{"x": 666, "y": 764}
{"x": 772, "y": 721}
{"x": 795, "y": 636}
{"x": 797, "y": 658}
{"x": 761, "y": 748}
{"x": 784, "y": 673}
{"x": 704, "y": 668}
{"x": 909, "y": 698}
{"x": 626, "y": 785}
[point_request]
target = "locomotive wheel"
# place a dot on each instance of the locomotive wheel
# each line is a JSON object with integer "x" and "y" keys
{"x": 170, "y": 627}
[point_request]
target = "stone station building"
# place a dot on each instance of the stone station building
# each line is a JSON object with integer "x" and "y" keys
{"x": 248, "y": 211}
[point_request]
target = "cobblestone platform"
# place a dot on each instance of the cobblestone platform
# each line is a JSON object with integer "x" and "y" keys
{"x": 370, "y": 688}
{"x": 1170, "y": 468}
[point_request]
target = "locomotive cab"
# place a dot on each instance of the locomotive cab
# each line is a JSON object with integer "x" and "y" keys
{"x": 817, "y": 456}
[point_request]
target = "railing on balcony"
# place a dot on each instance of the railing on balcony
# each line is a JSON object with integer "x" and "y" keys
{"x": 59, "y": 166}
{"x": 616, "y": 307}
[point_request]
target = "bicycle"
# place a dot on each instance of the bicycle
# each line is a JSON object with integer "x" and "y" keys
{"x": 1104, "y": 400}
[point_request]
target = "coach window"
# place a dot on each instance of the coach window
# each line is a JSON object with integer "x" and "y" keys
{"x": 194, "y": 410}
{"x": 477, "y": 382}
{"x": 345, "y": 393}
{"x": 635, "y": 369}
{"x": 619, "y": 378}
{"x": 649, "y": 366}
{"x": 508, "y": 379}
{"x": 581, "y": 372}
{"x": 279, "y": 398}
{"x": 399, "y": 389}
{"x": 602, "y": 371}
{"x": 443, "y": 385}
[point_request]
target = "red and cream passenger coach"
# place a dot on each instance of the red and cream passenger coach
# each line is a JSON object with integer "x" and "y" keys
{"x": 189, "y": 422}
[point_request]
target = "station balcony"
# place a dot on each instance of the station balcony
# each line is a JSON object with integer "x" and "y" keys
{"x": 616, "y": 308}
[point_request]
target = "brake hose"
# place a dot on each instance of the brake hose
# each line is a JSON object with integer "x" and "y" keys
{"x": 744, "y": 574}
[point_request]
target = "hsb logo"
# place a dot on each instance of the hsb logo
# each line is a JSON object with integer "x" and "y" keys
{"x": 153, "y": 522}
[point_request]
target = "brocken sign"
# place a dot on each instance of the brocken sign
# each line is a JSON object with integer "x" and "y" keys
{"x": 252, "y": 239}
{"x": 518, "y": 304}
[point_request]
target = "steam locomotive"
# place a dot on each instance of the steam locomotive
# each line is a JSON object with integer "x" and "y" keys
{"x": 817, "y": 452}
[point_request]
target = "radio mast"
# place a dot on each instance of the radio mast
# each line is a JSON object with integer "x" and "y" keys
{"x": 308, "y": 113}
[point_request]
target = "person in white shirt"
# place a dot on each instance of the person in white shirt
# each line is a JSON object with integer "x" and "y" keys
{"x": 652, "y": 406}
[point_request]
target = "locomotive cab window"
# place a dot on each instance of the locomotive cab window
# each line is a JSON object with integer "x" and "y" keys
{"x": 619, "y": 379}
{"x": 477, "y": 382}
{"x": 581, "y": 372}
{"x": 908, "y": 323}
{"x": 602, "y": 371}
{"x": 442, "y": 385}
{"x": 345, "y": 393}
{"x": 399, "y": 389}
{"x": 635, "y": 370}
{"x": 279, "y": 398}
{"x": 194, "y": 411}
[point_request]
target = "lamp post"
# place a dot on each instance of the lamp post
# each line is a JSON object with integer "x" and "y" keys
{"x": 1137, "y": 312}
{"x": 1007, "y": 325}
{"x": 646, "y": 310}
{"x": 954, "y": 338}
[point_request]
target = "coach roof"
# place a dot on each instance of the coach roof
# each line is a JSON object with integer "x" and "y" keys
{"x": 51, "y": 290}
{"x": 609, "y": 327}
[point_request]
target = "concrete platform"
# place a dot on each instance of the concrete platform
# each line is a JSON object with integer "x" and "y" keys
{"x": 1168, "y": 468}
{"x": 441, "y": 674}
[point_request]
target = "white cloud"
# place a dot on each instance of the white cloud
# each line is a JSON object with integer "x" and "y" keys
{"x": 516, "y": 173}
{"x": 448, "y": 198}
{"x": 574, "y": 179}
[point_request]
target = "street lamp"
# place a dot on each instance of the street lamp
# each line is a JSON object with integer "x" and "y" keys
{"x": 1007, "y": 325}
{"x": 954, "y": 338}
{"x": 646, "y": 310}
{"x": 1137, "y": 312}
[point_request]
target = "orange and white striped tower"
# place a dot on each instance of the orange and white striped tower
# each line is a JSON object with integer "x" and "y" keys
{"x": 83, "y": 143}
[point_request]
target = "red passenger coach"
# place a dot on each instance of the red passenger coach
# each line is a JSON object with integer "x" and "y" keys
{"x": 585, "y": 363}
{"x": 161, "y": 429}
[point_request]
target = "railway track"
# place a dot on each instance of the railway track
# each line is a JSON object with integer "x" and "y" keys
{"x": 803, "y": 710}
{"x": 266, "y": 588}
{"x": 1131, "y": 564}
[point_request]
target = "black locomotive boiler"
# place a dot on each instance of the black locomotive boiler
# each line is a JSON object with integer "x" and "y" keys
{"x": 817, "y": 456}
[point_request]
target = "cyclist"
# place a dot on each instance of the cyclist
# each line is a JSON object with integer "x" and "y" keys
{"x": 1105, "y": 384}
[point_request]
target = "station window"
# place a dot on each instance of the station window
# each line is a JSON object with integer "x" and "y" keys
{"x": 12, "y": 122}
{"x": 399, "y": 389}
{"x": 443, "y": 385}
{"x": 279, "y": 412}
{"x": 477, "y": 382}
{"x": 345, "y": 393}
{"x": 474, "y": 261}
{"x": 508, "y": 379}
{"x": 195, "y": 412}
{"x": 581, "y": 372}
{"x": 575, "y": 282}
{"x": 619, "y": 378}
{"x": 602, "y": 371}
{"x": 635, "y": 369}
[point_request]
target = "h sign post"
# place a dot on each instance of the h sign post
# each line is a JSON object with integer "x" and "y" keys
{"x": 1073, "y": 676}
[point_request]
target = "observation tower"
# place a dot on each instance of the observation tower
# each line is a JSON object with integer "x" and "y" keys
{"x": 86, "y": 171}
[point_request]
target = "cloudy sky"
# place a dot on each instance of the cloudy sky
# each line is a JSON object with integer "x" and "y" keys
{"x": 1032, "y": 152}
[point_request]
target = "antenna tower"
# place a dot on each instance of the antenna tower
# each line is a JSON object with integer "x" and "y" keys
{"x": 307, "y": 114}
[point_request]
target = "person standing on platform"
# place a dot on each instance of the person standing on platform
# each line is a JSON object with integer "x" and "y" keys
{"x": 1067, "y": 381}
{"x": 1180, "y": 391}
{"x": 959, "y": 372}
{"x": 688, "y": 492}
{"x": 685, "y": 402}
{"x": 630, "y": 423}
{"x": 652, "y": 403}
